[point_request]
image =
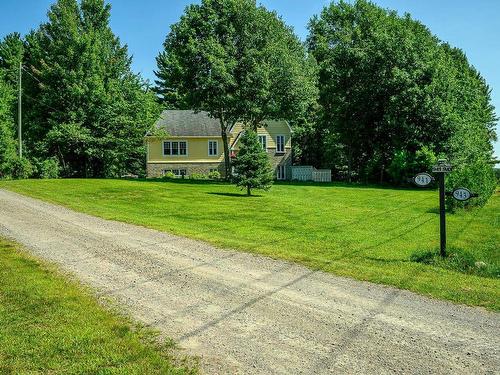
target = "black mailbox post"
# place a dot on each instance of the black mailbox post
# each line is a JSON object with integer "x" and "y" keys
{"x": 441, "y": 169}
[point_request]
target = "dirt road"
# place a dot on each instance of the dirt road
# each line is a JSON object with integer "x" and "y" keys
{"x": 252, "y": 315}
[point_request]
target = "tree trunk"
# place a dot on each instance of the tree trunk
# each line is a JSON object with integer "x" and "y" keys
{"x": 61, "y": 158}
{"x": 349, "y": 164}
{"x": 248, "y": 191}
{"x": 227, "y": 158}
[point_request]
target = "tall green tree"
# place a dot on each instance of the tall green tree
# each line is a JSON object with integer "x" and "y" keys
{"x": 252, "y": 169}
{"x": 238, "y": 62}
{"x": 11, "y": 54}
{"x": 469, "y": 146}
{"x": 7, "y": 143}
{"x": 83, "y": 103}
{"x": 376, "y": 73}
{"x": 390, "y": 88}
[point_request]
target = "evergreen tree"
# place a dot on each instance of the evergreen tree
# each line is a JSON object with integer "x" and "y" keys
{"x": 252, "y": 169}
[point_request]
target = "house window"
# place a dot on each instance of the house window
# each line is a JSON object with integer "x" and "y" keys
{"x": 176, "y": 172}
{"x": 182, "y": 148}
{"x": 280, "y": 143}
{"x": 174, "y": 148}
{"x": 263, "y": 141}
{"x": 212, "y": 148}
{"x": 166, "y": 148}
{"x": 281, "y": 172}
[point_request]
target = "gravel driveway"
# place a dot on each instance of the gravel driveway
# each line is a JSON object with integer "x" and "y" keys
{"x": 253, "y": 315}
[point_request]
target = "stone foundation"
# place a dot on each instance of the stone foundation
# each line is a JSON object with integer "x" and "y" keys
{"x": 155, "y": 170}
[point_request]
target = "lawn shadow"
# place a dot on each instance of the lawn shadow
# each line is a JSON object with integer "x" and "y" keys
{"x": 180, "y": 181}
{"x": 381, "y": 260}
{"x": 436, "y": 211}
{"x": 344, "y": 184}
{"x": 337, "y": 184}
{"x": 238, "y": 195}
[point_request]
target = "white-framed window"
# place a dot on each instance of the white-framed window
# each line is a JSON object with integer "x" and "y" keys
{"x": 281, "y": 172}
{"x": 280, "y": 143}
{"x": 213, "y": 148}
{"x": 174, "y": 148}
{"x": 176, "y": 172}
{"x": 182, "y": 148}
{"x": 166, "y": 148}
{"x": 263, "y": 141}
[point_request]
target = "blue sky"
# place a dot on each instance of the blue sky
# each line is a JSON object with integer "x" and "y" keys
{"x": 473, "y": 26}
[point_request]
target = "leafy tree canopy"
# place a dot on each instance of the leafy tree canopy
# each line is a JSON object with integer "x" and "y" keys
{"x": 387, "y": 85}
{"x": 83, "y": 104}
{"x": 7, "y": 144}
{"x": 238, "y": 62}
{"x": 11, "y": 54}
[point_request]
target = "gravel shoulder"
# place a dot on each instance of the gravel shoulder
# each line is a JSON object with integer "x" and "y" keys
{"x": 247, "y": 314}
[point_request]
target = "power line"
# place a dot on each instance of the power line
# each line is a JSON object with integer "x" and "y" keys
{"x": 35, "y": 78}
{"x": 35, "y": 100}
{"x": 39, "y": 102}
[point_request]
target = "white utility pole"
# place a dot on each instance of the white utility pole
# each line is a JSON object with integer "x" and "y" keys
{"x": 19, "y": 109}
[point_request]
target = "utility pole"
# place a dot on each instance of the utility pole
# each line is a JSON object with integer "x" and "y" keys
{"x": 19, "y": 111}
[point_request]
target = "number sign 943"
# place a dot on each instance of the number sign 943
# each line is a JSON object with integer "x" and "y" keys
{"x": 462, "y": 194}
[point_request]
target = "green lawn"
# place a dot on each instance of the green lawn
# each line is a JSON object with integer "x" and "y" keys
{"x": 367, "y": 233}
{"x": 51, "y": 325}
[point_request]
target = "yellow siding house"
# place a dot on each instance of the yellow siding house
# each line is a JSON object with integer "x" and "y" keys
{"x": 186, "y": 142}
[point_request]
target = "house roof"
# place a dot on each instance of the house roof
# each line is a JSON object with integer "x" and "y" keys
{"x": 186, "y": 123}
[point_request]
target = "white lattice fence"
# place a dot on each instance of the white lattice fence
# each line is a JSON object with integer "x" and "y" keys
{"x": 302, "y": 173}
{"x": 309, "y": 173}
{"x": 322, "y": 175}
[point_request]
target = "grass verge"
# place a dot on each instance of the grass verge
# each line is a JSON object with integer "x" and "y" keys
{"x": 51, "y": 325}
{"x": 458, "y": 260}
{"x": 368, "y": 233}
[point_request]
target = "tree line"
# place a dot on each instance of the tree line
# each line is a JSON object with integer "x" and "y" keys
{"x": 372, "y": 95}
{"x": 84, "y": 111}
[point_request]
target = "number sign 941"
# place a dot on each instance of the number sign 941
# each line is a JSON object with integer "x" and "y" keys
{"x": 422, "y": 179}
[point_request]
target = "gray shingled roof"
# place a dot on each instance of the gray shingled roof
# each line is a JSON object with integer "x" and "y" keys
{"x": 185, "y": 123}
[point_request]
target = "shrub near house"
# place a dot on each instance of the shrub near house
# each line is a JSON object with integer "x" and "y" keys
{"x": 185, "y": 142}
